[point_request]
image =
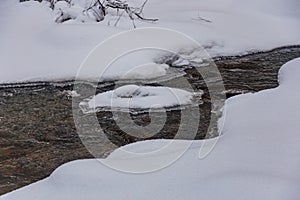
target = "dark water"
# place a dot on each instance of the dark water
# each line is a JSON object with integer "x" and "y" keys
{"x": 37, "y": 131}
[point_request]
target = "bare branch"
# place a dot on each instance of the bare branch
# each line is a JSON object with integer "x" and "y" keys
{"x": 119, "y": 18}
{"x": 131, "y": 11}
{"x": 202, "y": 19}
{"x": 99, "y": 10}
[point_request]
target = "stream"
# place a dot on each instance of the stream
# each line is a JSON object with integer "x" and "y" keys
{"x": 38, "y": 134}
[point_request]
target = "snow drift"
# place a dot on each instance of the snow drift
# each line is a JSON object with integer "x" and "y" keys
{"x": 34, "y": 47}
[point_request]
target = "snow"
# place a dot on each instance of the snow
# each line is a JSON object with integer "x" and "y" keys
{"x": 134, "y": 65}
{"x": 76, "y": 11}
{"x": 34, "y": 47}
{"x": 147, "y": 71}
{"x": 257, "y": 157}
{"x": 142, "y": 97}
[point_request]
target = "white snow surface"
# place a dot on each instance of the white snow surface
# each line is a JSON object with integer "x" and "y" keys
{"x": 144, "y": 97}
{"x": 34, "y": 47}
{"x": 257, "y": 157}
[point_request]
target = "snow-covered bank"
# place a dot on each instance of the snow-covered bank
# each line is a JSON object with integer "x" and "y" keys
{"x": 34, "y": 47}
{"x": 256, "y": 158}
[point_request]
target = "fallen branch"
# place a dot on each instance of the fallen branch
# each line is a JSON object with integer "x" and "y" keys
{"x": 202, "y": 19}
{"x": 99, "y": 10}
{"x": 132, "y": 12}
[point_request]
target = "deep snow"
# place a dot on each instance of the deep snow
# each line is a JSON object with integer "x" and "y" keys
{"x": 257, "y": 157}
{"x": 34, "y": 47}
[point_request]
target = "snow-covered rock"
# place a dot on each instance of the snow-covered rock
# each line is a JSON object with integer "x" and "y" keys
{"x": 141, "y": 97}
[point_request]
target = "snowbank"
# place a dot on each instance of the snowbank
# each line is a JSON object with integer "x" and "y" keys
{"x": 141, "y": 97}
{"x": 34, "y": 47}
{"x": 256, "y": 158}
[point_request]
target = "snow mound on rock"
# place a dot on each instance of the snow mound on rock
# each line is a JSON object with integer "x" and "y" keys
{"x": 141, "y": 97}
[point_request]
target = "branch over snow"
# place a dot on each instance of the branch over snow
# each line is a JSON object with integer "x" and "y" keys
{"x": 98, "y": 10}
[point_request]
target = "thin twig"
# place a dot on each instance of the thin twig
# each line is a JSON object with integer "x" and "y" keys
{"x": 119, "y": 18}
